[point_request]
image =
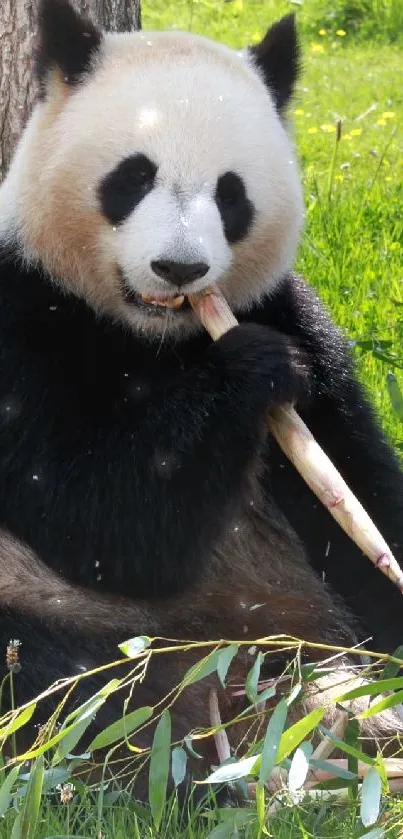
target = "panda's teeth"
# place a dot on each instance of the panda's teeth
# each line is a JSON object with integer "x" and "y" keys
{"x": 168, "y": 302}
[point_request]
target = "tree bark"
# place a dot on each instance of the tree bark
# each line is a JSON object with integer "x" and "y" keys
{"x": 113, "y": 15}
{"x": 18, "y": 19}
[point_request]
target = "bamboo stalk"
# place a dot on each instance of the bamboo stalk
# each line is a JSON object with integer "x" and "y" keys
{"x": 309, "y": 459}
{"x": 278, "y": 778}
{"x": 325, "y": 748}
{"x": 220, "y": 735}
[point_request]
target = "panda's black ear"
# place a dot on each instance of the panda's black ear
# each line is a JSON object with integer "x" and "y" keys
{"x": 67, "y": 41}
{"x": 278, "y": 58}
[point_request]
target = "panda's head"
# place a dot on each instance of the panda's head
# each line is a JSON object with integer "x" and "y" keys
{"x": 156, "y": 164}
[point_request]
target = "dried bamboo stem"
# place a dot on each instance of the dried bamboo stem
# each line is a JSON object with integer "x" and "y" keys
{"x": 309, "y": 459}
{"x": 278, "y": 778}
{"x": 327, "y": 745}
{"x": 220, "y": 735}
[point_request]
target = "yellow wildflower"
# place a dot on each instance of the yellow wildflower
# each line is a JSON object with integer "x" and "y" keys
{"x": 317, "y": 48}
{"x": 322, "y": 31}
{"x": 328, "y": 128}
{"x": 341, "y": 33}
{"x": 299, "y": 112}
{"x": 339, "y": 177}
{"x": 388, "y": 115}
{"x": 346, "y": 137}
{"x": 312, "y": 130}
{"x": 381, "y": 121}
{"x": 355, "y": 132}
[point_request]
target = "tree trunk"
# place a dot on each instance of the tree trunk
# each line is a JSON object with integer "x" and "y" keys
{"x": 17, "y": 37}
{"x": 113, "y": 15}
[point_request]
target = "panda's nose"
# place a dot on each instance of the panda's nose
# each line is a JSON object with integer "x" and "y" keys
{"x": 179, "y": 273}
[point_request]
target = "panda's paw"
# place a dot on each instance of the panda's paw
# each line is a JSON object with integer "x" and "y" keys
{"x": 266, "y": 362}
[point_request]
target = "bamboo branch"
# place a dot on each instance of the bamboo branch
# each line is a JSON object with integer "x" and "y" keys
{"x": 327, "y": 745}
{"x": 309, "y": 459}
{"x": 220, "y": 734}
{"x": 278, "y": 778}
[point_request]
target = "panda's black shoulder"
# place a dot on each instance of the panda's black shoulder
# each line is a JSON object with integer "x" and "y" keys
{"x": 30, "y": 299}
{"x": 52, "y": 343}
{"x": 292, "y": 306}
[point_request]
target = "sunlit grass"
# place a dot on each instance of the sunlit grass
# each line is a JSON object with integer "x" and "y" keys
{"x": 353, "y": 243}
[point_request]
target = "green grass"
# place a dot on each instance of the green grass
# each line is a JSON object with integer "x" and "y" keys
{"x": 352, "y": 252}
{"x": 328, "y": 820}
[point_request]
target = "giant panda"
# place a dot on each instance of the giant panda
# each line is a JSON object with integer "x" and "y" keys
{"x": 139, "y": 490}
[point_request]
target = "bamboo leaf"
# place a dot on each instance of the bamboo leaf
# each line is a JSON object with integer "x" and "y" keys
{"x": 178, "y": 765}
{"x": 159, "y": 767}
{"x": 372, "y": 688}
{"x": 72, "y": 734}
{"x": 224, "y": 660}
{"x": 18, "y": 721}
{"x": 387, "y": 702}
{"x": 358, "y": 754}
{"x": 392, "y": 668}
{"x": 234, "y": 771}
{"x": 120, "y": 729}
{"x": 272, "y": 739}
{"x": 299, "y": 766}
{"x": 298, "y": 732}
{"x": 370, "y": 797}
{"x": 252, "y": 679}
{"x": 6, "y": 789}
{"x": 335, "y": 770}
{"x": 32, "y": 801}
{"x": 135, "y": 646}
{"x": 203, "y": 668}
{"x": 92, "y": 701}
{"x": 189, "y": 745}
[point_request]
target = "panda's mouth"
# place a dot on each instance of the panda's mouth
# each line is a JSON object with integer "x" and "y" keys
{"x": 152, "y": 305}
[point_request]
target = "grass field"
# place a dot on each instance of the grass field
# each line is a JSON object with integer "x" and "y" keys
{"x": 352, "y": 251}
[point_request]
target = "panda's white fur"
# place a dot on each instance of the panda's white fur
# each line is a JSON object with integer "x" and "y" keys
{"x": 198, "y": 109}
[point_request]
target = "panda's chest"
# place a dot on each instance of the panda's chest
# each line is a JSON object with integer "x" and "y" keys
{"x": 111, "y": 381}
{"x": 94, "y": 372}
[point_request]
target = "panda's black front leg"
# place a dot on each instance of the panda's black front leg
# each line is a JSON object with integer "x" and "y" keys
{"x": 174, "y": 485}
{"x": 342, "y": 420}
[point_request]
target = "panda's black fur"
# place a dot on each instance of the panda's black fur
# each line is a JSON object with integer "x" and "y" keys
{"x": 126, "y": 463}
{"x": 113, "y": 447}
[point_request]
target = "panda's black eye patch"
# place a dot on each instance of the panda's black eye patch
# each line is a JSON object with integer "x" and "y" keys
{"x": 123, "y": 188}
{"x": 236, "y": 210}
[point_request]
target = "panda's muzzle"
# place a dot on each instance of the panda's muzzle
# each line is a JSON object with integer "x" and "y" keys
{"x": 152, "y": 304}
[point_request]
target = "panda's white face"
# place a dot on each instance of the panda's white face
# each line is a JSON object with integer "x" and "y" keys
{"x": 166, "y": 171}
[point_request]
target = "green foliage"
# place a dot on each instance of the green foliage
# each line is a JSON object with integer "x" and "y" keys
{"x": 121, "y": 729}
{"x": 159, "y": 767}
{"x": 238, "y": 21}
